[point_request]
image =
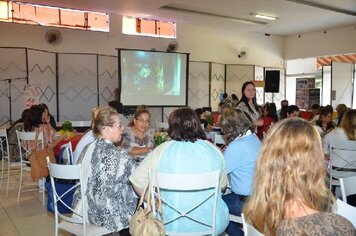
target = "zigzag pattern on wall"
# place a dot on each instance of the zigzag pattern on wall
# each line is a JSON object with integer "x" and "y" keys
{"x": 111, "y": 76}
{"x": 77, "y": 73}
{"x": 71, "y": 94}
{"x": 237, "y": 78}
{"x": 42, "y": 71}
{"x": 107, "y": 95}
{"x": 198, "y": 76}
{"x": 48, "y": 94}
{"x": 215, "y": 94}
{"x": 218, "y": 77}
{"x": 198, "y": 94}
{"x": 10, "y": 65}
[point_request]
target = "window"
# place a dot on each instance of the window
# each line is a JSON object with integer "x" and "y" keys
{"x": 26, "y": 13}
{"x": 148, "y": 27}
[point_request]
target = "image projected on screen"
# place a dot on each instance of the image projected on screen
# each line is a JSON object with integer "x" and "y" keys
{"x": 153, "y": 78}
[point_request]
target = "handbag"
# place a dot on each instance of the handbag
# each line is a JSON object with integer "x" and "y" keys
{"x": 38, "y": 160}
{"x": 62, "y": 187}
{"x": 143, "y": 222}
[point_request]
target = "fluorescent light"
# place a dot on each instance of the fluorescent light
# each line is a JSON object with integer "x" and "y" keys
{"x": 264, "y": 16}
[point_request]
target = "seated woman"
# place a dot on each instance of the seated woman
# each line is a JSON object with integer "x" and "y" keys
{"x": 346, "y": 130}
{"x": 38, "y": 120}
{"x": 240, "y": 156}
{"x": 138, "y": 138}
{"x": 186, "y": 153}
{"x": 50, "y": 118}
{"x": 269, "y": 117}
{"x": 325, "y": 124}
{"x": 203, "y": 118}
{"x": 110, "y": 199}
{"x": 290, "y": 196}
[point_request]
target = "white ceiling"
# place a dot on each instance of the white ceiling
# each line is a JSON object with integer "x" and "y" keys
{"x": 293, "y": 17}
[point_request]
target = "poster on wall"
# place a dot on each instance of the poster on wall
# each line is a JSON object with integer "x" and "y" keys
{"x": 302, "y": 92}
{"x": 314, "y": 96}
{"x": 32, "y": 95}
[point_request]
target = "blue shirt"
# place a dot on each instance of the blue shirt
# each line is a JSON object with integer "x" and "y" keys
{"x": 240, "y": 157}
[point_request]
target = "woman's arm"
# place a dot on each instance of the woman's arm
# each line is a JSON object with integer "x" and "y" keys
{"x": 139, "y": 151}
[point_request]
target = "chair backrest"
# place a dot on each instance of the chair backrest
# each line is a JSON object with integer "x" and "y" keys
{"x": 4, "y": 144}
{"x": 346, "y": 210}
{"x": 342, "y": 158}
{"x": 219, "y": 139}
{"x": 67, "y": 153}
{"x": 188, "y": 182}
{"x": 67, "y": 172}
{"x": 249, "y": 230}
{"x": 161, "y": 125}
{"x": 348, "y": 187}
{"x": 26, "y": 142}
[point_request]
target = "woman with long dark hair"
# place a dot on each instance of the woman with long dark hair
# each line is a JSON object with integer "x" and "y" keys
{"x": 248, "y": 103}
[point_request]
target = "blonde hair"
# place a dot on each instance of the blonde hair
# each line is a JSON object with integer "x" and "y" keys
{"x": 348, "y": 124}
{"x": 290, "y": 168}
{"x": 103, "y": 117}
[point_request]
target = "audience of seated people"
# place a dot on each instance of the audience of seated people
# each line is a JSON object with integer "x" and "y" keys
{"x": 284, "y": 105}
{"x": 186, "y": 153}
{"x": 290, "y": 196}
{"x": 240, "y": 157}
{"x": 138, "y": 137}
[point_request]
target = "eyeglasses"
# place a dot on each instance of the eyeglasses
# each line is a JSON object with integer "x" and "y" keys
{"x": 117, "y": 125}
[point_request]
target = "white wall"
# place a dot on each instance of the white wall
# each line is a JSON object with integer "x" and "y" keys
{"x": 334, "y": 41}
{"x": 204, "y": 44}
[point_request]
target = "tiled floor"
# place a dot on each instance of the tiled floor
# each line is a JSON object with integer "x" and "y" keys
{"x": 28, "y": 217}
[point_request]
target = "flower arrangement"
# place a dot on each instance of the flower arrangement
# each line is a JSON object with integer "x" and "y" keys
{"x": 67, "y": 126}
{"x": 67, "y": 129}
{"x": 160, "y": 137}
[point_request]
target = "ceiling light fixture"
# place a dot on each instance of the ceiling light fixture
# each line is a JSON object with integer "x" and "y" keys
{"x": 264, "y": 16}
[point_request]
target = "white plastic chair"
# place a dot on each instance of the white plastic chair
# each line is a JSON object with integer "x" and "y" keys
{"x": 5, "y": 153}
{"x": 249, "y": 230}
{"x": 188, "y": 182}
{"x": 348, "y": 187}
{"x": 67, "y": 153}
{"x": 346, "y": 210}
{"x": 342, "y": 160}
{"x": 161, "y": 126}
{"x": 74, "y": 225}
{"x": 23, "y": 139}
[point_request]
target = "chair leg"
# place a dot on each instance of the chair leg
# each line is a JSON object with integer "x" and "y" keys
{"x": 44, "y": 191}
{"x": 18, "y": 195}
{"x": 8, "y": 179}
{"x": 2, "y": 171}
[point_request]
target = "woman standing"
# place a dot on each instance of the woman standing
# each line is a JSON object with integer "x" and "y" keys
{"x": 138, "y": 138}
{"x": 110, "y": 197}
{"x": 290, "y": 196}
{"x": 248, "y": 103}
{"x": 186, "y": 153}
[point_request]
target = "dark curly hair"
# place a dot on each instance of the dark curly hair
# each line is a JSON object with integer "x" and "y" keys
{"x": 184, "y": 125}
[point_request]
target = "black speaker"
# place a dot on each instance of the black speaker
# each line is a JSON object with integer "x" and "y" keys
{"x": 272, "y": 81}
